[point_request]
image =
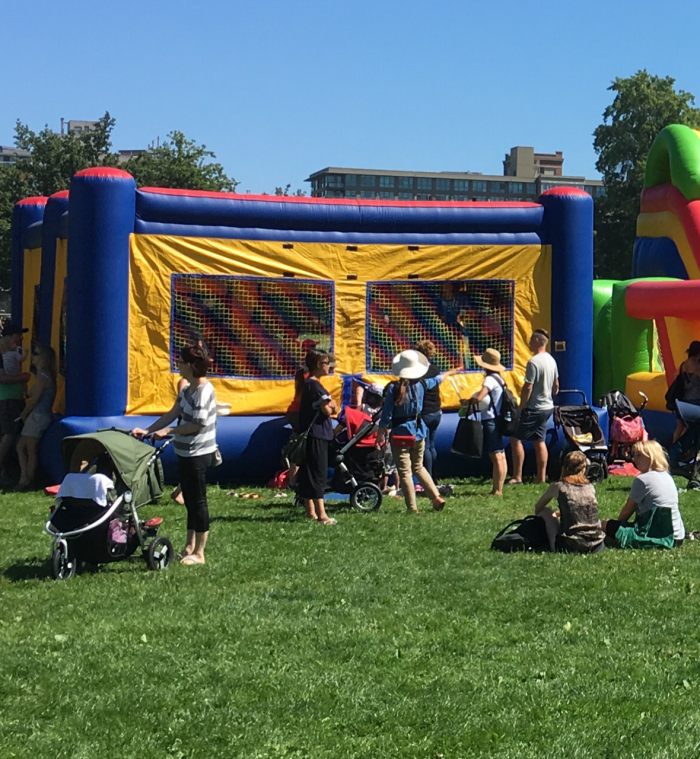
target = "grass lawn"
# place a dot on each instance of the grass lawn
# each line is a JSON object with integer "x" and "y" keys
{"x": 386, "y": 636}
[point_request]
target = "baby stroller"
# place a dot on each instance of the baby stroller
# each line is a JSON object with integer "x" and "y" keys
{"x": 359, "y": 466}
{"x": 95, "y": 521}
{"x": 683, "y": 454}
{"x": 626, "y": 426}
{"x": 582, "y": 432}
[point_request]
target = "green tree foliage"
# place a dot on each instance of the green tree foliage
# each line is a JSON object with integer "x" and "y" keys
{"x": 642, "y": 107}
{"x": 181, "y": 163}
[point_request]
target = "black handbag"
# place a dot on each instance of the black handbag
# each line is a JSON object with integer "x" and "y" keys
{"x": 295, "y": 450}
{"x": 469, "y": 438}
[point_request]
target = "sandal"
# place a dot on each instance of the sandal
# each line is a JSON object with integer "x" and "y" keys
{"x": 328, "y": 521}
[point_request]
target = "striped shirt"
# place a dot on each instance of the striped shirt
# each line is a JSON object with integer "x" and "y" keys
{"x": 198, "y": 406}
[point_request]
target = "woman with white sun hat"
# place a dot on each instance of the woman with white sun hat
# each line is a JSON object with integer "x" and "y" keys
{"x": 401, "y": 415}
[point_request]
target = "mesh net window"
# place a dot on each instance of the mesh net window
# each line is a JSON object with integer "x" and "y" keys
{"x": 462, "y": 317}
{"x": 252, "y": 327}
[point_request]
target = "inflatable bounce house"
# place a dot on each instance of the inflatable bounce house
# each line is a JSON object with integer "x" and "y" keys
{"x": 643, "y": 326}
{"x": 118, "y": 279}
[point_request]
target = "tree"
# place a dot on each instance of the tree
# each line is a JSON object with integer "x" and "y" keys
{"x": 642, "y": 107}
{"x": 285, "y": 192}
{"x": 180, "y": 163}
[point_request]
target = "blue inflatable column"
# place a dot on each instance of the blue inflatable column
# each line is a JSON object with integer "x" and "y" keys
{"x": 101, "y": 218}
{"x": 568, "y": 228}
{"x": 55, "y": 208}
{"x": 25, "y": 213}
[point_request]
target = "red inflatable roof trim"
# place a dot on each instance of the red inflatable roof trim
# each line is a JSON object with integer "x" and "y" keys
{"x": 336, "y": 201}
{"x": 104, "y": 171}
{"x": 35, "y": 200}
{"x": 60, "y": 194}
{"x": 565, "y": 191}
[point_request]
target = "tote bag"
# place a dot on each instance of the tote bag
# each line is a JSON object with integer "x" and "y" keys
{"x": 469, "y": 438}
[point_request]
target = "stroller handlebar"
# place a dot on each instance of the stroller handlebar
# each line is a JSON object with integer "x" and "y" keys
{"x": 576, "y": 392}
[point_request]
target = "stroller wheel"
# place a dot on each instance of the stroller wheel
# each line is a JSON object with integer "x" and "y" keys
{"x": 693, "y": 485}
{"x": 596, "y": 471}
{"x": 159, "y": 554}
{"x": 63, "y": 565}
{"x": 366, "y": 497}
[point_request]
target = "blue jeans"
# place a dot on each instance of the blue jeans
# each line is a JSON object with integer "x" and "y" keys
{"x": 432, "y": 422}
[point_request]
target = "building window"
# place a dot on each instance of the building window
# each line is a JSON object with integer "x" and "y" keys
{"x": 496, "y": 187}
{"x": 515, "y": 188}
{"x": 350, "y": 193}
{"x": 405, "y": 196}
{"x": 333, "y": 180}
{"x": 480, "y": 198}
{"x": 366, "y": 194}
{"x": 406, "y": 182}
{"x": 350, "y": 180}
{"x": 425, "y": 183}
{"x": 461, "y": 185}
{"x": 600, "y": 192}
{"x": 386, "y": 181}
{"x": 441, "y": 197}
{"x": 367, "y": 180}
{"x": 386, "y": 195}
{"x": 531, "y": 188}
{"x": 479, "y": 185}
{"x": 422, "y": 197}
{"x": 442, "y": 184}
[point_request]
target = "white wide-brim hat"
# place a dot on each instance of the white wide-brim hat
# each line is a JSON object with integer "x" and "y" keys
{"x": 409, "y": 365}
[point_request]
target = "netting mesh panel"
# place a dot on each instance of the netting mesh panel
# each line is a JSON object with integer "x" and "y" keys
{"x": 253, "y": 327}
{"x": 462, "y": 317}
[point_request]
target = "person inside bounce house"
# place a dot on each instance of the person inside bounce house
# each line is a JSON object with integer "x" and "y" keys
{"x": 654, "y": 499}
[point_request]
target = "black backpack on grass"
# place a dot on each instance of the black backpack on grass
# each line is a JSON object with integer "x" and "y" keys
{"x": 529, "y": 534}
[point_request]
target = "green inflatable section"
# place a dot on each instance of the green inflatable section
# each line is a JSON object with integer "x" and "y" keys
{"x": 621, "y": 345}
{"x": 675, "y": 157}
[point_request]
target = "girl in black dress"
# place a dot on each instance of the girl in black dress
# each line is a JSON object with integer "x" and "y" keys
{"x": 315, "y": 411}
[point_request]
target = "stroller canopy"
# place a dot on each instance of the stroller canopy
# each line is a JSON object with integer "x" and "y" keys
{"x": 129, "y": 459}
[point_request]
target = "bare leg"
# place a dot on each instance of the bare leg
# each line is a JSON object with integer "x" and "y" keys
{"x": 200, "y": 541}
{"x": 29, "y": 446}
{"x": 22, "y": 455}
{"x": 552, "y": 525}
{"x": 321, "y": 512}
{"x": 311, "y": 512}
{"x": 500, "y": 470}
{"x": 189, "y": 545}
{"x": 541, "y": 457}
{"x": 518, "y": 454}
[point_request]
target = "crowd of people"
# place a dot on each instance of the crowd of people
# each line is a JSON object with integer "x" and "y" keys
{"x": 409, "y": 412}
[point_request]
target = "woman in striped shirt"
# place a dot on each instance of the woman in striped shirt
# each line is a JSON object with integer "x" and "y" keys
{"x": 195, "y": 445}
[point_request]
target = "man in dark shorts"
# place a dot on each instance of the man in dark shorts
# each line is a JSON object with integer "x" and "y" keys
{"x": 536, "y": 407}
{"x": 11, "y": 395}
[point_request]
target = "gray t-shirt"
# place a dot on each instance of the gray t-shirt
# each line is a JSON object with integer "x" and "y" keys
{"x": 658, "y": 490}
{"x": 541, "y": 371}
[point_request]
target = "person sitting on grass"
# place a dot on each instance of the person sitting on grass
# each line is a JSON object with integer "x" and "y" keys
{"x": 654, "y": 498}
{"x": 575, "y": 527}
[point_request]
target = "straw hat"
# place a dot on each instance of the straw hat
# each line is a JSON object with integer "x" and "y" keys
{"x": 409, "y": 365}
{"x": 490, "y": 359}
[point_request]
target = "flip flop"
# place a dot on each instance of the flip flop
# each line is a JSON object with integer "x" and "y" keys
{"x": 191, "y": 560}
{"x": 328, "y": 521}
{"x": 514, "y": 482}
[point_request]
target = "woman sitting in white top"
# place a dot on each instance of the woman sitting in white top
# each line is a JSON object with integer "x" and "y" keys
{"x": 654, "y": 499}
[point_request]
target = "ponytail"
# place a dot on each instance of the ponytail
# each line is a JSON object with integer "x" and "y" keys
{"x": 400, "y": 390}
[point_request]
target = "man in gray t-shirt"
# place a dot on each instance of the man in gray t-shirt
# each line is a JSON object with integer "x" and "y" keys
{"x": 536, "y": 407}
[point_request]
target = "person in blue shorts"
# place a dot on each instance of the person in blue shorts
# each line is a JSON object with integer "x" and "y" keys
{"x": 536, "y": 407}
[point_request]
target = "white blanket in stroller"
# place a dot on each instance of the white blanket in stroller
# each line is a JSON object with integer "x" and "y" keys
{"x": 94, "y": 487}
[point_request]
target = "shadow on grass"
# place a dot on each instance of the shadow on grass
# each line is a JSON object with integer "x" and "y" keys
{"x": 36, "y": 568}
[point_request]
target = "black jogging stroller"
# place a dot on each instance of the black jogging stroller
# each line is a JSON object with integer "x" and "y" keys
{"x": 582, "y": 432}
{"x": 111, "y": 475}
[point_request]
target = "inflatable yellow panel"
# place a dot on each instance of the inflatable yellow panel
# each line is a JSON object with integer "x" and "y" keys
{"x": 258, "y": 305}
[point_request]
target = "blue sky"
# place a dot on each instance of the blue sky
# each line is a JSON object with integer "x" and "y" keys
{"x": 281, "y": 89}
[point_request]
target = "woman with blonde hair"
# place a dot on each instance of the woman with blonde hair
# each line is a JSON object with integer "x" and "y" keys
{"x": 654, "y": 500}
{"x": 575, "y": 527}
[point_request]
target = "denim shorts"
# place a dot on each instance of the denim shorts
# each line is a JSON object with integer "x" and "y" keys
{"x": 493, "y": 441}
